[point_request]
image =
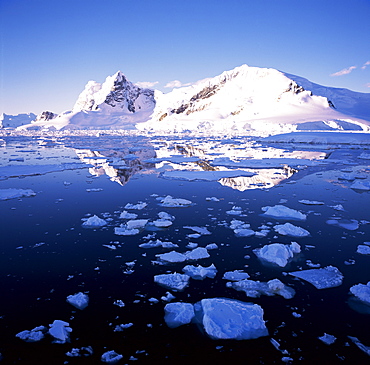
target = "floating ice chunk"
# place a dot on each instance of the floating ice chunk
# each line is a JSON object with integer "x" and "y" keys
{"x": 111, "y": 357}
{"x": 168, "y": 297}
{"x": 348, "y": 177}
{"x": 199, "y": 272}
{"x": 176, "y": 282}
{"x": 235, "y": 275}
{"x": 119, "y": 303}
{"x": 136, "y": 224}
{"x": 213, "y": 199}
{"x": 235, "y": 211}
{"x": 235, "y": 223}
{"x": 199, "y": 230}
{"x": 172, "y": 256}
{"x": 311, "y": 264}
{"x": 126, "y": 215}
{"x": 79, "y": 300}
{"x": 6, "y": 194}
{"x": 83, "y": 351}
{"x": 310, "y": 202}
{"x": 162, "y": 223}
{"x": 93, "y": 222}
{"x": 255, "y": 289}
{"x": 170, "y": 202}
{"x": 338, "y": 207}
{"x": 362, "y": 292}
{"x": 289, "y": 229}
{"x": 121, "y": 327}
{"x": 363, "y": 249}
{"x": 277, "y": 253}
{"x": 328, "y": 277}
{"x": 94, "y": 190}
{"x": 166, "y": 216}
{"x": 34, "y": 335}
{"x": 212, "y": 246}
{"x": 177, "y": 314}
{"x": 231, "y": 319}
{"x": 192, "y": 245}
{"x": 365, "y": 156}
{"x": 158, "y": 243}
{"x": 123, "y": 231}
{"x": 361, "y": 346}
{"x": 138, "y": 206}
{"x": 283, "y": 212}
{"x": 351, "y": 225}
{"x": 361, "y": 185}
{"x": 243, "y": 232}
{"x": 197, "y": 254}
{"x": 60, "y": 331}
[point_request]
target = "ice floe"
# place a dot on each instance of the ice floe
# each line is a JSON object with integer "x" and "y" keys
{"x": 158, "y": 243}
{"x": 362, "y": 292}
{"x": 200, "y": 230}
{"x": 283, "y": 212}
{"x": 175, "y": 281}
{"x": 324, "y": 278}
{"x": 289, "y": 229}
{"x": 60, "y": 330}
{"x": 172, "y": 256}
{"x": 199, "y": 272}
{"x": 94, "y": 222}
{"x": 34, "y": 335}
{"x": 361, "y": 185}
{"x": 327, "y": 339}
{"x": 235, "y": 211}
{"x": 235, "y": 275}
{"x": 177, "y": 314}
{"x": 171, "y": 202}
{"x": 111, "y": 357}
{"x": 78, "y": 300}
{"x": 138, "y": 206}
{"x": 363, "y": 249}
{"x": 6, "y": 194}
{"x": 255, "y": 289}
{"x": 278, "y": 253}
{"x": 224, "y": 318}
{"x": 310, "y": 202}
{"x": 126, "y": 215}
{"x": 360, "y": 345}
{"x": 83, "y": 351}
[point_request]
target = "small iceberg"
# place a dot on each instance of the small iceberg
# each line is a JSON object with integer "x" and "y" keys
{"x": 199, "y": 272}
{"x": 362, "y": 292}
{"x": 79, "y": 300}
{"x": 283, "y": 212}
{"x": 158, "y": 243}
{"x": 361, "y": 185}
{"x": 363, "y": 249}
{"x": 199, "y": 230}
{"x": 235, "y": 275}
{"x": 177, "y": 314}
{"x": 126, "y": 215}
{"x": 310, "y": 202}
{"x": 171, "y": 202}
{"x": 328, "y": 277}
{"x": 255, "y": 289}
{"x": 111, "y": 357}
{"x": 94, "y": 222}
{"x": 139, "y": 206}
{"x": 289, "y": 229}
{"x": 278, "y": 253}
{"x": 230, "y": 319}
{"x": 176, "y": 282}
{"x": 34, "y": 335}
{"x": 172, "y": 256}
{"x": 60, "y": 330}
{"x": 197, "y": 254}
{"x": 6, "y": 194}
{"x": 327, "y": 339}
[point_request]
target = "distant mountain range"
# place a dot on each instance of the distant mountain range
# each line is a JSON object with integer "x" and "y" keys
{"x": 244, "y": 100}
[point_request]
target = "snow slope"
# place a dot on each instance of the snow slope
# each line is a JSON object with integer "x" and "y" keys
{"x": 245, "y": 100}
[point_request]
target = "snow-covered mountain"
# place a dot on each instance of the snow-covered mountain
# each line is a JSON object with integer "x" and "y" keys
{"x": 245, "y": 100}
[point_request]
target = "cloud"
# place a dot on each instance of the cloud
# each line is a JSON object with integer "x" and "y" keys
{"x": 365, "y": 65}
{"x": 146, "y": 84}
{"x": 175, "y": 83}
{"x": 345, "y": 71}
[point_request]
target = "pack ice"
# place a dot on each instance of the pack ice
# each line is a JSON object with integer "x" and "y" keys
{"x": 328, "y": 277}
{"x": 6, "y": 194}
{"x": 362, "y": 292}
{"x": 230, "y": 319}
{"x": 278, "y": 253}
{"x": 283, "y": 212}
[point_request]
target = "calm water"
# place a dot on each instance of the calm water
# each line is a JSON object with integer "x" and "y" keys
{"x": 47, "y": 255}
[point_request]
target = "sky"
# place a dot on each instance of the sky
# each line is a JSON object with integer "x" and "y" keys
{"x": 50, "y": 49}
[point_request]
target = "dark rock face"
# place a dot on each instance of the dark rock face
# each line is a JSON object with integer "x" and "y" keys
{"x": 45, "y": 116}
{"x": 124, "y": 93}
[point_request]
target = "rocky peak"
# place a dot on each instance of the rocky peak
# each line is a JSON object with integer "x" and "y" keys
{"x": 45, "y": 116}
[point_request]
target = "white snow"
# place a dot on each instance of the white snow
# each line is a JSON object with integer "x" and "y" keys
{"x": 175, "y": 281}
{"x": 6, "y": 194}
{"x": 93, "y": 222}
{"x": 362, "y": 292}
{"x": 230, "y": 319}
{"x": 283, "y": 212}
{"x": 289, "y": 229}
{"x": 60, "y": 330}
{"x": 277, "y": 253}
{"x": 328, "y": 277}
{"x": 199, "y": 272}
{"x": 78, "y": 300}
{"x": 177, "y": 314}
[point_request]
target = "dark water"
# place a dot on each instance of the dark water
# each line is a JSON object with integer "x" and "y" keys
{"x": 35, "y": 281}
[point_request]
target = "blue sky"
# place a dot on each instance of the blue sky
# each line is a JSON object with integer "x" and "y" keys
{"x": 49, "y": 49}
